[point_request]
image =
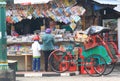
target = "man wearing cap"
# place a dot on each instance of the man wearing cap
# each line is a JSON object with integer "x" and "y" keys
{"x": 48, "y": 46}
{"x": 36, "y": 54}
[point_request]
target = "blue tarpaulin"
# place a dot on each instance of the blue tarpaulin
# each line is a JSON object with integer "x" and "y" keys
{"x": 98, "y": 7}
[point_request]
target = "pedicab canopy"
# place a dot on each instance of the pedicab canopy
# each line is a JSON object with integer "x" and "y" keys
{"x": 95, "y": 48}
{"x": 96, "y": 29}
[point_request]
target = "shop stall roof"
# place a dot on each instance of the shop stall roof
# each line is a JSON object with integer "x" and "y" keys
{"x": 31, "y": 1}
{"x": 108, "y": 2}
{"x": 117, "y": 8}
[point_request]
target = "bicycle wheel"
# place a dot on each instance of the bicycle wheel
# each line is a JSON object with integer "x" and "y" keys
{"x": 59, "y": 62}
{"x": 117, "y": 66}
{"x": 95, "y": 65}
{"x": 109, "y": 68}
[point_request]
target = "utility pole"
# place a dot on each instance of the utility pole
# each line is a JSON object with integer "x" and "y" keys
{"x": 3, "y": 36}
{"x": 118, "y": 6}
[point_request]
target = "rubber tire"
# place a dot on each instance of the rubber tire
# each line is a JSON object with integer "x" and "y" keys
{"x": 56, "y": 63}
{"x": 95, "y": 73}
{"x": 109, "y": 68}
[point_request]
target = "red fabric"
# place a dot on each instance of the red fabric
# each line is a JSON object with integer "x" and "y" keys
{"x": 36, "y": 37}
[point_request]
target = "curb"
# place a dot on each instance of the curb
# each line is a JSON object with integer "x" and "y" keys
{"x": 47, "y": 74}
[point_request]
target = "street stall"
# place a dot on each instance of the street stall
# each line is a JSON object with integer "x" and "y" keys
{"x": 19, "y": 44}
{"x": 67, "y": 19}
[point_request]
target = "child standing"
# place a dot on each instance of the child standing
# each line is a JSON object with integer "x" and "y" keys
{"x": 36, "y": 54}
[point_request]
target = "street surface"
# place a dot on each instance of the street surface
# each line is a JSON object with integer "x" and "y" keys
{"x": 72, "y": 78}
{"x": 114, "y": 76}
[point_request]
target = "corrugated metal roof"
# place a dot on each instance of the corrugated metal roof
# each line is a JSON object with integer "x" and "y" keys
{"x": 109, "y": 2}
{"x": 31, "y": 1}
{"x": 117, "y": 8}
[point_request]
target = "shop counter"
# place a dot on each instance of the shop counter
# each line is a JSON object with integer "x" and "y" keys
{"x": 24, "y": 61}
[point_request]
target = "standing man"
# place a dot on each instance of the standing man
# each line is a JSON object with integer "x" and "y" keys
{"x": 48, "y": 46}
{"x": 36, "y": 54}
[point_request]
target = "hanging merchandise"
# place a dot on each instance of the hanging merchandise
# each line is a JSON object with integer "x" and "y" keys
{"x": 75, "y": 18}
{"x": 37, "y": 11}
{"x": 65, "y": 20}
{"x": 53, "y": 5}
{"x": 35, "y": 15}
{"x": 41, "y": 14}
{"x": 73, "y": 25}
{"x": 82, "y": 10}
{"x": 59, "y": 18}
{"x": 69, "y": 2}
{"x": 59, "y": 10}
{"x": 66, "y": 2}
{"x": 15, "y": 19}
{"x": 19, "y": 18}
{"x": 30, "y": 10}
{"x": 44, "y": 13}
{"x": 50, "y": 14}
{"x": 78, "y": 10}
{"x": 8, "y": 12}
{"x": 29, "y": 17}
{"x": 68, "y": 11}
{"x": 24, "y": 13}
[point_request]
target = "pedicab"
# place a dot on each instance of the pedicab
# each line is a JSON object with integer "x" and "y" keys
{"x": 97, "y": 34}
{"x": 94, "y": 54}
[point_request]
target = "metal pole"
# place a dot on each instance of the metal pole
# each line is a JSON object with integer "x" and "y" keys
{"x": 118, "y": 34}
{"x": 3, "y": 36}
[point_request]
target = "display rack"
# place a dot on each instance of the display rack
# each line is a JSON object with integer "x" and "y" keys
{"x": 20, "y": 51}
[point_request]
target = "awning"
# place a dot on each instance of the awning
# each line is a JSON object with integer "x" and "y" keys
{"x": 108, "y": 2}
{"x": 31, "y": 1}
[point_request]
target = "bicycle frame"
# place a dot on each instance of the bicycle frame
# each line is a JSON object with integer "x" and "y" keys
{"x": 55, "y": 55}
{"x": 107, "y": 48}
{"x": 70, "y": 56}
{"x": 97, "y": 40}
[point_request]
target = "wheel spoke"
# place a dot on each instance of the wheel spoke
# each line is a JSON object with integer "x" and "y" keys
{"x": 59, "y": 62}
{"x": 95, "y": 65}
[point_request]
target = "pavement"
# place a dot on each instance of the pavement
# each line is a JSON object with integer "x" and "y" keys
{"x": 67, "y": 76}
{"x": 54, "y": 74}
{"x": 114, "y": 76}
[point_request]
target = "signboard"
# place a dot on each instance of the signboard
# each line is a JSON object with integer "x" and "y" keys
{"x": 31, "y": 1}
{"x": 111, "y": 23}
